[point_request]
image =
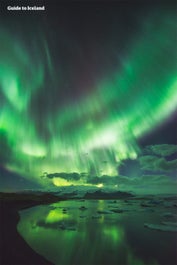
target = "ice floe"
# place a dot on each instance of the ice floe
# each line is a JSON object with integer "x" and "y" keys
{"x": 162, "y": 227}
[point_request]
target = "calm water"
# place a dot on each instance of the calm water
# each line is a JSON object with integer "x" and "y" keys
{"x": 92, "y": 233}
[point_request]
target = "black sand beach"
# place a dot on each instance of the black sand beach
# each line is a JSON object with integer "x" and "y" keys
{"x": 13, "y": 249}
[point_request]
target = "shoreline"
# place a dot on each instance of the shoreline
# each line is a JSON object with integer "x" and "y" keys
{"x": 13, "y": 248}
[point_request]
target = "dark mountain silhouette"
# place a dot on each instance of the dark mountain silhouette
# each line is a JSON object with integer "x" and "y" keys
{"x": 107, "y": 195}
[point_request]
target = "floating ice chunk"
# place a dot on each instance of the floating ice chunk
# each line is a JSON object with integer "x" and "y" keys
{"x": 169, "y": 215}
{"x": 161, "y": 227}
{"x": 156, "y": 202}
{"x": 104, "y": 212}
{"x": 168, "y": 204}
{"x": 71, "y": 228}
{"x": 143, "y": 204}
{"x": 65, "y": 210}
{"x": 117, "y": 210}
{"x": 82, "y": 208}
{"x": 170, "y": 223}
{"x": 82, "y": 216}
{"x": 98, "y": 216}
{"x": 63, "y": 226}
{"x": 112, "y": 202}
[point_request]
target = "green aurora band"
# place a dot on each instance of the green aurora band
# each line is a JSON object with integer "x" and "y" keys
{"x": 101, "y": 129}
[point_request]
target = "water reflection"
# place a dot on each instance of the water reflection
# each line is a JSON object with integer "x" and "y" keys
{"x": 87, "y": 233}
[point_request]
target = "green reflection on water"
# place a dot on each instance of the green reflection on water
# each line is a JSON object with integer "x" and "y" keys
{"x": 73, "y": 232}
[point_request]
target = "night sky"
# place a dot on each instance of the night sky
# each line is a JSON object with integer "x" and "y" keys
{"x": 88, "y": 96}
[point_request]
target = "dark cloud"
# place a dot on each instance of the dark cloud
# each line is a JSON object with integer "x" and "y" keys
{"x": 66, "y": 176}
{"x": 108, "y": 180}
{"x": 162, "y": 149}
{"x": 165, "y": 165}
{"x": 155, "y": 179}
{"x": 10, "y": 181}
{"x": 155, "y": 163}
{"x": 147, "y": 162}
{"x": 94, "y": 180}
{"x": 128, "y": 181}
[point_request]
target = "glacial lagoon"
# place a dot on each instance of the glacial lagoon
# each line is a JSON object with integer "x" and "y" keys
{"x": 102, "y": 232}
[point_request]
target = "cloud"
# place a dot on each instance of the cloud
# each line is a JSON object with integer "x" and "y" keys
{"x": 162, "y": 149}
{"x": 10, "y": 181}
{"x": 67, "y": 176}
{"x": 155, "y": 163}
{"x": 165, "y": 165}
{"x": 108, "y": 180}
{"x": 117, "y": 180}
{"x": 157, "y": 184}
{"x": 148, "y": 184}
{"x": 147, "y": 162}
{"x": 155, "y": 179}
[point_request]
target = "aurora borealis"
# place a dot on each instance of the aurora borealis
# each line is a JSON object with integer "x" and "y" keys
{"x": 81, "y": 86}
